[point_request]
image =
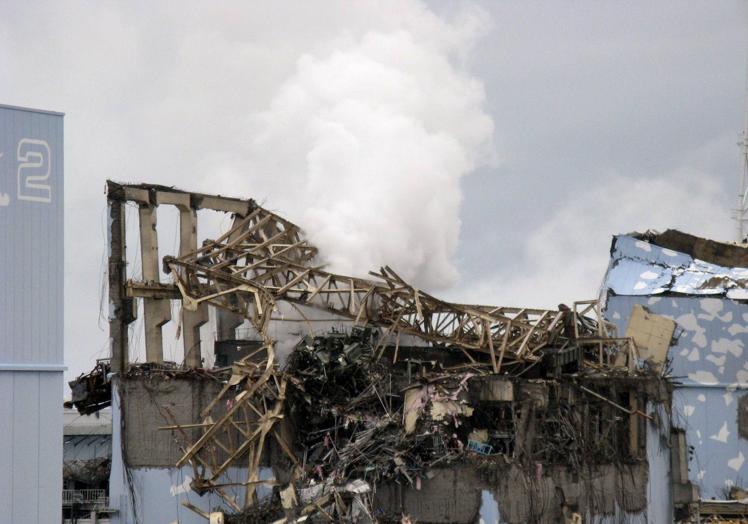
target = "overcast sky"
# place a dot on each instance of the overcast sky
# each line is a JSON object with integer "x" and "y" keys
{"x": 488, "y": 150}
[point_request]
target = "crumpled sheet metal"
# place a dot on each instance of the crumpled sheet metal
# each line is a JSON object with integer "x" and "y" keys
{"x": 638, "y": 268}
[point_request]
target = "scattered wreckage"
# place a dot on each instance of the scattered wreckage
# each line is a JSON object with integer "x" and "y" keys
{"x": 363, "y": 410}
{"x": 361, "y": 417}
{"x": 411, "y": 385}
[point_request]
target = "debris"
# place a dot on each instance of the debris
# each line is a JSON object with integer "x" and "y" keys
{"x": 92, "y": 391}
{"x": 494, "y": 388}
{"x": 415, "y": 400}
{"x": 410, "y": 385}
{"x": 288, "y": 497}
{"x": 651, "y": 333}
{"x": 478, "y": 435}
{"x": 358, "y": 420}
{"x": 479, "y": 447}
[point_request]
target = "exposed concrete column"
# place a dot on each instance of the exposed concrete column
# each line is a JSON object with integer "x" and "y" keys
{"x": 157, "y": 310}
{"x": 191, "y": 320}
{"x": 120, "y": 307}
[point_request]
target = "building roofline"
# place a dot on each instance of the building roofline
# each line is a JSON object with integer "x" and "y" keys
{"x": 31, "y": 110}
{"x": 712, "y": 251}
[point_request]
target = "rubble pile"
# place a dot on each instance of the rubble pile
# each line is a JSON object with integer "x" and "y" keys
{"x": 410, "y": 384}
{"x": 473, "y": 383}
{"x": 357, "y": 418}
{"x": 354, "y": 420}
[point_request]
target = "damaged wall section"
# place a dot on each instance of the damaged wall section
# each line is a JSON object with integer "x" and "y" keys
{"x": 410, "y": 393}
{"x": 707, "y": 358}
{"x": 542, "y": 448}
{"x": 144, "y": 484}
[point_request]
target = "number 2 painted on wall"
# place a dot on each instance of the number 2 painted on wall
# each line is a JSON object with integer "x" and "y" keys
{"x": 34, "y": 169}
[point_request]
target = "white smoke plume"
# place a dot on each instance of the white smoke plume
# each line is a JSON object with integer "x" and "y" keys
{"x": 365, "y": 147}
{"x": 357, "y": 119}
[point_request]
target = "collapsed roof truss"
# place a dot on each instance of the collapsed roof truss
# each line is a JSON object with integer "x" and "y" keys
{"x": 264, "y": 258}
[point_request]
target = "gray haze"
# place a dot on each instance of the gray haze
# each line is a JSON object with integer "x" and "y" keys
{"x": 508, "y": 141}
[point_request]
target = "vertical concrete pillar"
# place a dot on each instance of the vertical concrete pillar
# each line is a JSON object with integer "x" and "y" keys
{"x": 191, "y": 320}
{"x": 157, "y": 311}
{"x": 120, "y": 307}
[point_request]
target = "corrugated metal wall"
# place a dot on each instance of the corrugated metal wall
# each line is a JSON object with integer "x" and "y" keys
{"x": 31, "y": 315}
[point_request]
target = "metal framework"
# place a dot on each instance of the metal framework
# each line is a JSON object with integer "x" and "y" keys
{"x": 244, "y": 422}
{"x": 265, "y": 258}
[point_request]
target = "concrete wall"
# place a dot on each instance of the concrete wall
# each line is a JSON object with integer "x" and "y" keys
{"x": 31, "y": 315}
{"x": 506, "y": 494}
{"x": 150, "y": 489}
{"x": 152, "y": 402}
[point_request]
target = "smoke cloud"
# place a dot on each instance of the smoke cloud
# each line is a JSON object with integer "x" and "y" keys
{"x": 365, "y": 146}
{"x": 356, "y": 119}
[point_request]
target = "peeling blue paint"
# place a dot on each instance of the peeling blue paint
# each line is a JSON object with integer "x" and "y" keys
{"x": 708, "y": 358}
{"x": 638, "y": 268}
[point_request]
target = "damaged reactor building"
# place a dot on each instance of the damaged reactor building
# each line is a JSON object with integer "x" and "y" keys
{"x": 332, "y": 398}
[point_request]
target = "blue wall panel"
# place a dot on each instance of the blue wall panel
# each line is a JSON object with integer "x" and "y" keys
{"x": 709, "y": 365}
{"x": 31, "y": 237}
{"x": 31, "y": 315}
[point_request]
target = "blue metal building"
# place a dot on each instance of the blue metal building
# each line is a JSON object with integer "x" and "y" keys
{"x": 31, "y": 315}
